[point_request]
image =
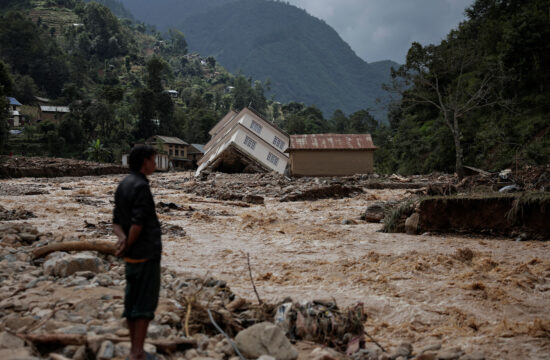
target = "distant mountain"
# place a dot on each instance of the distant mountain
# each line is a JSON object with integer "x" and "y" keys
{"x": 305, "y": 59}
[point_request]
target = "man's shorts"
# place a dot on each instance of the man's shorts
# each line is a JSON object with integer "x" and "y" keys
{"x": 142, "y": 290}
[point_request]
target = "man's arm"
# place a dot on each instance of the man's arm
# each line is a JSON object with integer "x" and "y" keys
{"x": 124, "y": 243}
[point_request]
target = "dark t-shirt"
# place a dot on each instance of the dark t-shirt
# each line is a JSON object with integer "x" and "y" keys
{"x": 134, "y": 204}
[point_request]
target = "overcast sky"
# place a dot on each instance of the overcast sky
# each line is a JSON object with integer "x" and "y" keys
{"x": 384, "y": 29}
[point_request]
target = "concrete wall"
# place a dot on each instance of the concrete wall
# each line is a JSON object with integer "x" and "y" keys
{"x": 331, "y": 162}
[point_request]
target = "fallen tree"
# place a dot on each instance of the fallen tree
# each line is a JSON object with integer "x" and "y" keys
{"x": 102, "y": 246}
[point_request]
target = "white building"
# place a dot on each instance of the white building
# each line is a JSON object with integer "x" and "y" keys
{"x": 245, "y": 142}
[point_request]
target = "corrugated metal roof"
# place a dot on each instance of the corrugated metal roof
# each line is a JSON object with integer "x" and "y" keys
{"x": 331, "y": 142}
{"x": 171, "y": 140}
{"x": 13, "y": 101}
{"x": 60, "y": 109}
{"x": 199, "y": 147}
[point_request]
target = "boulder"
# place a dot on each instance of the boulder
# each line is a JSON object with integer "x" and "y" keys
{"x": 411, "y": 224}
{"x": 9, "y": 341}
{"x": 374, "y": 212}
{"x": 106, "y": 351}
{"x": 20, "y": 353}
{"x": 265, "y": 339}
{"x": 325, "y": 354}
{"x": 67, "y": 265}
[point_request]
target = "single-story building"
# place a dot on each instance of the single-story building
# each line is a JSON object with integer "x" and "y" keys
{"x": 162, "y": 160}
{"x": 53, "y": 113}
{"x": 331, "y": 154}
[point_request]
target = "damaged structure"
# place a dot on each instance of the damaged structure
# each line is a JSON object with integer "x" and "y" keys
{"x": 331, "y": 154}
{"x": 245, "y": 142}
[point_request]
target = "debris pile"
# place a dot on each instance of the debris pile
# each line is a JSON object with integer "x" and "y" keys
{"x": 15, "y": 214}
{"x": 20, "y": 166}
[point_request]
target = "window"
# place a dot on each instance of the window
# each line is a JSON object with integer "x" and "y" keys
{"x": 272, "y": 159}
{"x": 170, "y": 152}
{"x": 279, "y": 143}
{"x": 177, "y": 153}
{"x": 256, "y": 127}
{"x": 250, "y": 143}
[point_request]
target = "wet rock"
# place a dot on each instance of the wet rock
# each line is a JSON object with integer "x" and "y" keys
{"x": 265, "y": 339}
{"x": 266, "y": 357}
{"x": 253, "y": 199}
{"x": 324, "y": 354}
{"x": 473, "y": 356}
{"x": 374, "y": 213}
{"x": 158, "y": 331}
{"x": 75, "y": 330}
{"x": 411, "y": 224}
{"x": 450, "y": 354}
{"x": 122, "y": 350}
{"x": 224, "y": 347}
{"x": 431, "y": 347}
{"x": 20, "y": 353}
{"x": 191, "y": 354}
{"x": 403, "y": 350}
{"x": 104, "y": 280}
{"x": 70, "y": 264}
{"x": 9, "y": 341}
{"x": 106, "y": 351}
{"x": 80, "y": 353}
{"x": 370, "y": 352}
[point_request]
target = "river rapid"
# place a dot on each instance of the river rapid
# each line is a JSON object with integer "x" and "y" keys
{"x": 482, "y": 294}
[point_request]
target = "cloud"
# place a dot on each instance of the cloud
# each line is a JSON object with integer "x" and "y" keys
{"x": 384, "y": 29}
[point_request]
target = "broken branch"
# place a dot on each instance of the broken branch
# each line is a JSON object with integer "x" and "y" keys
{"x": 252, "y": 280}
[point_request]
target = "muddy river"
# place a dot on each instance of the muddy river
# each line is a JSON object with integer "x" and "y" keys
{"x": 482, "y": 294}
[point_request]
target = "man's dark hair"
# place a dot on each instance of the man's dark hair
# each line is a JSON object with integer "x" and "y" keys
{"x": 138, "y": 155}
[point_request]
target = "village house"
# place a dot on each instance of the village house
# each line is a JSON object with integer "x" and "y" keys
{"x": 15, "y": 118}
{"x": 175, "y": 148}
{"x": 245, "y": 142}
{"x": 53, "y": 113}
{"x": 331, "y": 154}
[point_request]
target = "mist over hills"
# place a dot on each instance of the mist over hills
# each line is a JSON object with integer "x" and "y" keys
{"x": 303, "y": 57}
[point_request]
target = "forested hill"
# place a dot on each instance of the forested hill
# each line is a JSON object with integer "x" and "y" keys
{"x": 305, "y": 59}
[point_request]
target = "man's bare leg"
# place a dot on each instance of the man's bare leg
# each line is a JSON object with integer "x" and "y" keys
{"x": 138, "y": 338}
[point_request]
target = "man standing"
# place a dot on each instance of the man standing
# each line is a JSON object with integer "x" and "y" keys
{"x": 136, "y": 225}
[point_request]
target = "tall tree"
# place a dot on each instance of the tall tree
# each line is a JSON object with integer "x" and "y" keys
{"x": 452, "y": 78}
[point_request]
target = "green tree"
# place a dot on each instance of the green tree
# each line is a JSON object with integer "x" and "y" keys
{"x": 5, "y": 89}
{"x": 96, "y": 151}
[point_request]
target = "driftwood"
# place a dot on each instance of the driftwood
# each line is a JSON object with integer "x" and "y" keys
{"x": 102, "y": 246}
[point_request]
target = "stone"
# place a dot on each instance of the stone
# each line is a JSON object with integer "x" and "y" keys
{"x": 265, "y": 339}
{"x": 80, "y": 353}
{"x": 20, "y": 353}
{"x": 266, "y": 357}
{"x": 374, "y": 213}
{"x": 370, "y": 352}
{"x": 427, "y": 355}
{"x": 106, "y": 351}
{"x": 9, "y": 341}
{"x": 70, "y": 264}
{"x": 191, "y": 354}
{"x": 473, "y": 356}
{"x": 431, "y": 347}
{"x": 123, "y": 349}
{"x": 411, "y": 224}
{"x": 104, "y": 280}
{"x": 450, "y": 354}
{"x": 158, "y": 331}
{"x": 224, "y": 347}
{"x": 75, "y": 330}
{"x": 324, "y": 354}
{"x": 404, "y": 350}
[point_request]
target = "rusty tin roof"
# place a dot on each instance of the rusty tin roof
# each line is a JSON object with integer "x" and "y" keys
{"x": 331, "y": 142}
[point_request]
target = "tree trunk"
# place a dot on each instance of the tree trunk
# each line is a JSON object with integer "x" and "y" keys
{"x": 459, "y": 167}
{"x": 105, "y": 247}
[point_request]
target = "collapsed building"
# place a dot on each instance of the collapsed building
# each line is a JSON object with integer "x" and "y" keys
{"x": 245, "y": 142}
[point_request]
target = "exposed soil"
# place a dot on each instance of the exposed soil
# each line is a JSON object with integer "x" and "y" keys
{"x": 482, "y": 294}
{"x": 497, "y": 215}
{"x": 18, "y": 167}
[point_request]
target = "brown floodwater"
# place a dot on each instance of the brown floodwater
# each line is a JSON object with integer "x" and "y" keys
{"x": 482, "y": 294}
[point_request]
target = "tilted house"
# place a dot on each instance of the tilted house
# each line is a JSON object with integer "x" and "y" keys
{"x": 245, "y": 142}
{"x": 331, "y": 154}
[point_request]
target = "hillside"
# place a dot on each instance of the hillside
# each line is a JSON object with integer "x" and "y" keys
{"x": 304, "y": 58}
